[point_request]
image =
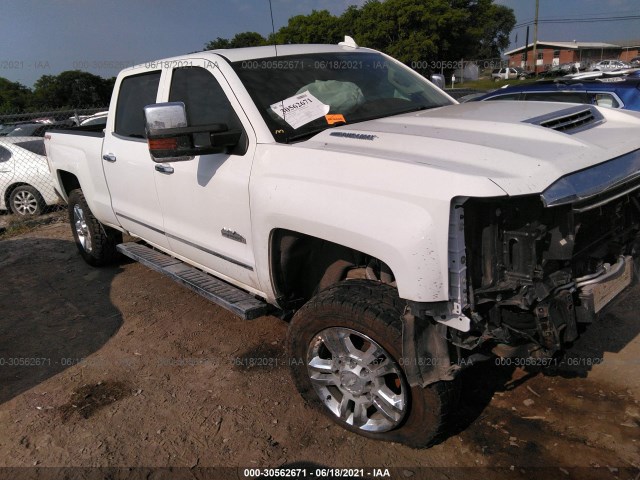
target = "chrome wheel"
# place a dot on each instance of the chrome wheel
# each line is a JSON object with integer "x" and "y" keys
{"x": 357, "y": 380}
{"x": 25, "y": 203}
{"x": 82, "y": 230}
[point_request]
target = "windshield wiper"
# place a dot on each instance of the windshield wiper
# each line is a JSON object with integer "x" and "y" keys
{"x": 393, "y": 114}
{"x": 314, "y": 131}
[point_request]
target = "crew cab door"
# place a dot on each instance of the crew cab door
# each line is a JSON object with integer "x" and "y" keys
{"x": 127, "y": 163}
{"x": 205, "y": 201}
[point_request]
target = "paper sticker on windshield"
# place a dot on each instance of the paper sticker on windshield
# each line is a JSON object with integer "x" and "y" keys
{"x": 300, "y": 109}
{"x": 335, "y": 118}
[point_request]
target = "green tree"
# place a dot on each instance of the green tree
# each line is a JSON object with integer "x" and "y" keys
{"x": 72, "y": 88}
{"x": 14, "y": 96}
{"x": 217, "y": 44}
{"x": 247, "y": 39}
{"x": 423, "y": 32}
{"x": 417, "y": 32}
{"x": 493, "y": 25}
{"x": 240, "y": 40}
{"x": 317, "y": 27}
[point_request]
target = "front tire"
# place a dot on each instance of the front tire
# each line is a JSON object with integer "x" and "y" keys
{"x": 346, "y": 349}
{"x": 96, "y": 243}
{"x": 26, "y": 201}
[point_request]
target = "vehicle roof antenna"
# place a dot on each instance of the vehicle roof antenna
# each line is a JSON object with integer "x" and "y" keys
{"x": 273, "y": 29}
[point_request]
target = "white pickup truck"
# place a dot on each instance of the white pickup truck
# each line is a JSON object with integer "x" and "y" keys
{"x": 403, "y": 235}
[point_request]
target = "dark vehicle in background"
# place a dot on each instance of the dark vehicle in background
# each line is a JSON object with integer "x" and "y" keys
{"x": 10, "y": 127}
{"x": 560, "y": 70}
{"x": 35, "y": 129}
{"x": 605, "y": 91}
{"x": 4, "y": 129}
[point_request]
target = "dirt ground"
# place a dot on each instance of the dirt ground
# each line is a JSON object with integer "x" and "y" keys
{"x": 120, "y": 367}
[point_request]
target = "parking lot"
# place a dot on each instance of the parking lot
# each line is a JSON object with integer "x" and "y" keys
{"x": 120, "y": 367}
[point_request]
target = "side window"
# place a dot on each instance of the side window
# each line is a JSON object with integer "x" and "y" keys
{"x": 568, "y": 97}
{"x": 136, "y": 92}
{"x": 5, "y": 154}
{"x": 205, "y": 101}
{"x": 605, "y": 100}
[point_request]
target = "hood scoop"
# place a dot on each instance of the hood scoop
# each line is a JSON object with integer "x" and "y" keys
{"x": 570, "y": 120}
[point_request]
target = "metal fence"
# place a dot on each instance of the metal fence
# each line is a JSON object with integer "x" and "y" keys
{"x": 26, "y": 186}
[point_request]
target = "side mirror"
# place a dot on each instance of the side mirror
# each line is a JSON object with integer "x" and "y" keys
{"x": 170, "y": 137}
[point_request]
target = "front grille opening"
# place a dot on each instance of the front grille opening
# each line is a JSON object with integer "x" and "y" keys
{"x": 570, "y": 122}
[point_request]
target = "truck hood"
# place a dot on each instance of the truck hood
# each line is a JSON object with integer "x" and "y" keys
{"x": 514, "y": 144}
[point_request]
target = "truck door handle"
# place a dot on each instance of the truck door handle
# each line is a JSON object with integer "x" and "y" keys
{"x": 164, "y": 169}
{"x": 109, "y": 157}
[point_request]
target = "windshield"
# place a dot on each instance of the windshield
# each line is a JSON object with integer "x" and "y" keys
{"x": 300, "y": 95}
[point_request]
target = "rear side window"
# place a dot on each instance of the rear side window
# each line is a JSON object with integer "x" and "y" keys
{"x": 605, "y": 100}
{"x": 5, "y": 154}
{"x": 136, "y": 92}
{"x": 34, "y": 146}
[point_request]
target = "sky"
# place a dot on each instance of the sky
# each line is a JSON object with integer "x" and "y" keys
{"x": 103, "y": 36}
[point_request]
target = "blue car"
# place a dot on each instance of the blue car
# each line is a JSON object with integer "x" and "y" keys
{"x": 595, "y": 89}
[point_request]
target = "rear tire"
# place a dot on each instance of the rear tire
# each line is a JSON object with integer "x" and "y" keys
{"x": 346, "y": 349}
{"x": 96, "y": 243}
{"x": 26, "y": 201}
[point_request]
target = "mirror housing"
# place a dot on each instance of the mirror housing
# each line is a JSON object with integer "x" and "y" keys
{"x": 171, "y": 139}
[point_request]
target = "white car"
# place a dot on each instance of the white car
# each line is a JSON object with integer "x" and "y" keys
{"x": 26, "y": 186}
{"x": 609, "y": 66}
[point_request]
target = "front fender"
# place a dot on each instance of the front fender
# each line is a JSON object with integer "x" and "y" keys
{"x": 394, "y": 211}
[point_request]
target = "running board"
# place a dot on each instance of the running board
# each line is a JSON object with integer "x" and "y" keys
{"x": 222, "y": 293}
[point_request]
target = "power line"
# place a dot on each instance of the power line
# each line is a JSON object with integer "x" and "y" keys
{"x": 580, "y": 20}
{"x": 593, "y": 14}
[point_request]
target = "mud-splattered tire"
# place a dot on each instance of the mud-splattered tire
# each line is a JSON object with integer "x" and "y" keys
{"x": 96, "y": 242}
{"x": 345, "y": 346}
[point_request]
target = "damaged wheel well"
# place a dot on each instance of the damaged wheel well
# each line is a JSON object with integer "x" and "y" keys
{"x": 303, "y": 265}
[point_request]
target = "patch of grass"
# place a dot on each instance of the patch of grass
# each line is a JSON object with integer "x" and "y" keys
{"x": 13, "y": 225}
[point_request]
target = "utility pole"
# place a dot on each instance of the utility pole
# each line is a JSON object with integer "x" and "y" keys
{"x": 535, "y": 40}
{"x": 526, "y": 52}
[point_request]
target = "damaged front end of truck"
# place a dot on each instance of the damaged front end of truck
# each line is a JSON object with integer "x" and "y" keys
{"x": 525, "y": 272}
{"x": 536, "y": 267}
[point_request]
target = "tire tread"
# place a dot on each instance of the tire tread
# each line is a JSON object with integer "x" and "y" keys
{"x": 377, "y": 307}
{"x": 104, "y": 239}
